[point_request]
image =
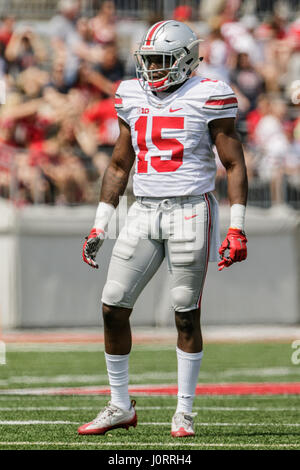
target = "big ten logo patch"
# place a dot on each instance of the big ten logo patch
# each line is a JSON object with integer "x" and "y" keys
{"x": 144, "y": 110}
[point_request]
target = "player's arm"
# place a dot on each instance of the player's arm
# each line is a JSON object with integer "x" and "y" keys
{"x": 113, "y": 186}
{"x": 231, "y": 154}
{"x": 117, "y": 173}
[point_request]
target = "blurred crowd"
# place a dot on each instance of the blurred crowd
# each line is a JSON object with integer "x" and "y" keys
{"x": 58, "y": 125}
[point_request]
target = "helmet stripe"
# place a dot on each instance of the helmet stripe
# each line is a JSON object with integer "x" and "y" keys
{"x": 152, "y": 31}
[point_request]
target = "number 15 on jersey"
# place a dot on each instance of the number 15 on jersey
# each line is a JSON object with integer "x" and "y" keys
{"x": 158, "y": 143}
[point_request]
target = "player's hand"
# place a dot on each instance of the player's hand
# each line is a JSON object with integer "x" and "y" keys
{"x": 91, "y": 246}
{"x": 235, "y": 242}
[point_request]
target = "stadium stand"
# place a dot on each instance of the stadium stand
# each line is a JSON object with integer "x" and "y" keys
{"x": 62, "y": 62}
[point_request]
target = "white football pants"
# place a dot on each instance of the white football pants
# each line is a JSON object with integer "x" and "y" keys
{"x": 178, "y": 228}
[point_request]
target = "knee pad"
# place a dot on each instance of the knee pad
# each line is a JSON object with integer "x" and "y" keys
{"x": 182, "y": 299}
{"x": 113, "y": 293}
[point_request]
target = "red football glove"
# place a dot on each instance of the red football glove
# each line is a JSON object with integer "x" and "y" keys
{"x": 91, "y": 246}
{"x": 235, "y": 242}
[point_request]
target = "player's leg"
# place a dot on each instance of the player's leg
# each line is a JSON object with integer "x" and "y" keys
{"x": 117, "y": 331}
{"x": 117, "y": 340}
{"x": 189, "y": 335}
{"x": 189, "y": 357}
{"x": 187, "y": 262}
{"x": 134, "y": 261}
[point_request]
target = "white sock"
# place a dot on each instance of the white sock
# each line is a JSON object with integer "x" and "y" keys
{"x": 188, "y": 370}
{"x": 117, "y": 369}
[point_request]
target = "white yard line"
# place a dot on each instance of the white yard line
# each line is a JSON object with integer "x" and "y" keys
{"x": 49, "y": 408}
{"x": 225, "y": 424}
{"x": 32, "y": 422}
{"x": 94, "y": 379}
{"x": 6, "y": 395}
{"x": 97, "y": 379}
{"x": 221, "y": 408}
{"x": 144, "y": 444}
{"x": 145, "y": 408}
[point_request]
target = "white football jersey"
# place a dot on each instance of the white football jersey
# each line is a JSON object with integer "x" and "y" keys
{"x": 170, "y": 135}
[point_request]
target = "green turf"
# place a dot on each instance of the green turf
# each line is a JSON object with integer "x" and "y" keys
{"x": 228, "y": 422}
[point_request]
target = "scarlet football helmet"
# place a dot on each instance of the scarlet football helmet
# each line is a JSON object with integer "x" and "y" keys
{"x": 178, "y": 47}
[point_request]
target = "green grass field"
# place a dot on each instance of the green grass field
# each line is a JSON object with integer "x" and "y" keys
{"x": 223, "y": 422}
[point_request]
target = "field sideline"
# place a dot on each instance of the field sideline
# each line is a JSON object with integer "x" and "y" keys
{"x": 45, "y": 394}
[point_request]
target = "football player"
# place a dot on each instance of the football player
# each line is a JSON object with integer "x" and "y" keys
{"x": 169, "y": 120}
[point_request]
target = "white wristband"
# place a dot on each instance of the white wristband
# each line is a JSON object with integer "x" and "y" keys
{"x": 103, "y": 215}
{"x": 237, "y": 216}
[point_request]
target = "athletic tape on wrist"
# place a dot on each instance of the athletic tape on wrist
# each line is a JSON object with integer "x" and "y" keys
{"x": 237, "y": 216}
{"x": 103, "y": 215}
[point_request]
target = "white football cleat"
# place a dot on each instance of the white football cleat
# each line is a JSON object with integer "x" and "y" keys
{"x": 183, "y": 424}
{"x": 110, "y": 417}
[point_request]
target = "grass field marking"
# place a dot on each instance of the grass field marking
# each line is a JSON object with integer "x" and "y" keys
{"x": 224, "y": 424}
{"x": 258, "y": 372}
{"x": 97, "y": 378}
{"x": 224, "y": 389}
{"x": 31, "y": 422}
{"x": 36, "y": 397}
{"x": 145, "y": 408}
{"x": 40, "y": 422}
{"x": 61, "y": 379}
{"x": 145, "y": 444}
{"x": 222, "y": 408}
{"x": 49, "y": 408}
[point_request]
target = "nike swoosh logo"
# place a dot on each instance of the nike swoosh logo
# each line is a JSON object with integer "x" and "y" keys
{"x": 190, "y": 217}
{"x": 174, "y": 110}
